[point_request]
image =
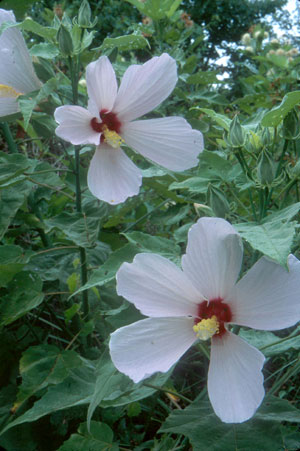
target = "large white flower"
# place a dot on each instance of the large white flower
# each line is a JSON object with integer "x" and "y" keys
{"x": 17, "y": 75}
{"x": 200, "y": 301}
{"x": 109, "y": 122}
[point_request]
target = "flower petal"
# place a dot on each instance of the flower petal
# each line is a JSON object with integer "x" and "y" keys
{"x": 157, "y": 287}
{"x": 112, "y": 176}
{"x": 101, "y": 83}
{"x": 150, "y": 345}
{"x": 213, "y": 257}
{"x": 235, "y": 380}
{"x": 16, "y": 69}
{"x": 268, "y": 296}
{"x": 170, "y": 141}
{"x": 144, "y": 87}
{"x": 75, "y": 125}
{"x": 8, "y": 105}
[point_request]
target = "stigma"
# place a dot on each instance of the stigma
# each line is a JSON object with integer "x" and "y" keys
{"x": 9, "y": 92}
{"x": 206, "y": 328}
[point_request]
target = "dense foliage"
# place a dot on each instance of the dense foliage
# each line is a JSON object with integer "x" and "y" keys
{"x": 60, "y": 247}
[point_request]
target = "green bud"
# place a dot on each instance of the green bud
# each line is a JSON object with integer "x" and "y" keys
{"x": 290, "y": 128}
{"x": 65, "y": 41}
{"x": 266, "y": 136}
{"x": 236, "y": 136}
{"x": 217, "y": 201}
{"x": 266, "y": 168}
{"x": 84, "y": 15}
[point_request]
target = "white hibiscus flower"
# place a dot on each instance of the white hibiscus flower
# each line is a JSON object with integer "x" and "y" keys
{"x": 17, "y": 75}
{"x": 199, "y": 302}
{"x": 110, "y": 121}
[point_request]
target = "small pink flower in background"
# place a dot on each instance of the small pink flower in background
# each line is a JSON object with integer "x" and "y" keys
{"x": 110, "y": 122}
{"x": 199, "y": 302}
{"x": 17, "y": 74}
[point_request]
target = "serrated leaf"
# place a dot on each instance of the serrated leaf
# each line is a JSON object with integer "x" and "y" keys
{"x": 277, "y": 114}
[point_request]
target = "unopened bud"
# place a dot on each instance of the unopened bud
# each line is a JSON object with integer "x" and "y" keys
{"x": 217, "y": 201}
{"x": 65, "y": 42}
{"x": 84, "y": 15}
{"x": 236, "y": 136}
{"x": 266, "y": 168}
{"x": 290, "y": 128}
{"x": 246, "y": 39}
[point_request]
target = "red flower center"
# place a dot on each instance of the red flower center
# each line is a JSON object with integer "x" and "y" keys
{"x": 217, "y": 308}
{"x": 109, "y": 120}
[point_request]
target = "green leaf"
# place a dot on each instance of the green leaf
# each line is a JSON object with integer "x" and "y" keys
{"x": 44, "y": 50}
{"x": 102, "y": 389}
{"x": 107, "y": 271}
{"x": 206, "y": 431}
{"x": 269, "y": 343}
{"x": 44, "y": 365}
{"x": 220, "y": 119}
{"x": 277, "y": 114}
{"x": 100, "y": 438}
{"x": 193, "y": 184}
{"x": 47, "y": 33}
{"x": 29, "y": 101}
{"x": 12, "y": 261}
{"x": 80, "y": 229}
{"x": 124, "y": 43}
{"x": 11, "y": 200}
{"x": 203, "y": 78}
{"x": 12, "y": 166}
{"x": 24, "y": 294}
{"x": 155, "y": 244}
{"x": 273, "y": 239}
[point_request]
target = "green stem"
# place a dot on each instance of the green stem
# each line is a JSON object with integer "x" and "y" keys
{"x": 8, "y": 137}
{"x": 171, "y": 392}
{"x": 82, "y": 252}
{"x": 285, "y": 146}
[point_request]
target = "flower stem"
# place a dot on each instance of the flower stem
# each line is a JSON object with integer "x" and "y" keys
{"x": 83, "y": 262}
{"x": 8, "y": 137}
{"x": 171, "y": 392}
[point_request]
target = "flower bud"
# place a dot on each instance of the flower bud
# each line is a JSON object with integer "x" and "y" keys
{"x": 65, "y": 42}
{"x": 236, "y": 136}
{"x": 217, "y": 201}
{"x": 249, "y": 49}
{"x": 290, "y": 128}
{"x": 246, "y": 39}
{"x": 266, "y": 168}
{"x": 84, "y": 15}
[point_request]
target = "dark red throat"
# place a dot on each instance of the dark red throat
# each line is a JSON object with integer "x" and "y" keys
{"x": 110, "y": 120}
{"x": 217, "y": 308}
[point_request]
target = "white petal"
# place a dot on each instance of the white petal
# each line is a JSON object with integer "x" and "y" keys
{"x": 144, "y": 87}
{"x": 235, "y": 380}
{"x": 157, "y": 287}
{"x": 75, "y": 125}
{"x": 150, "y": 345}
{"x": 268, "y": 296}
{"x": 8, "y": 106}
{"x": 101, "y": 83}
{"x": 213, "y": 257}
{"x": 16, "y": 69}
{"x": 112, "y": 176}
{"x": 170, "y": 141}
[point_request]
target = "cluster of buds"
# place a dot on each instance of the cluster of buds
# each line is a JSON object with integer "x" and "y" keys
{"x": 250, "y": 40}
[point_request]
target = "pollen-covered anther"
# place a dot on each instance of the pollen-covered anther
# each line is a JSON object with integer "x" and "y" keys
{"x": 206, "y": 328}
{"x": 9, "y": 92}
{"x": 112, "y": 138}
